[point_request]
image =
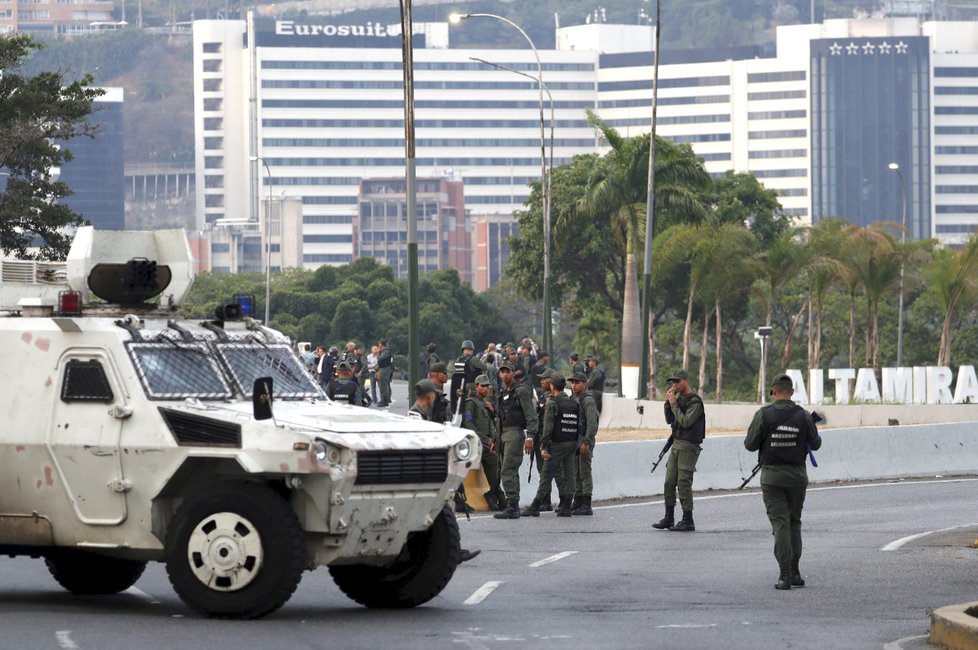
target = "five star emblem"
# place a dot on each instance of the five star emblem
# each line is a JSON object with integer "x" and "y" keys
{"x": 868, "y": 48}
{"x": 901, "y": 48}
{"x": 852, "y": 49}
{"x": 885, "y": 47}
{"x": 835, "y": 49}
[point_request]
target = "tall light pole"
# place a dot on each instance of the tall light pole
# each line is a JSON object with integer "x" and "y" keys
{"x": 410, "y": 170}
{"x": 268, "y": 237}
{"x": 903, "y": 240}
{"x": 544, "y": 180}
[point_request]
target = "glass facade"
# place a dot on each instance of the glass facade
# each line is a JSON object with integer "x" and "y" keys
{"x": 870, "y": 106}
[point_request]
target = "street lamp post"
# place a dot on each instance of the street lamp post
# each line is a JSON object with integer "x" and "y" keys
{"x": 544, "y": 179}
{"x": 762, "y": 334}
{"x": 903, "y": 240}
{"x": 268, "y": 237}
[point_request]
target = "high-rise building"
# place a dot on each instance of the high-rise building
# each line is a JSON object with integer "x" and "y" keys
{"x": 56, "y": 16}
{"x": 820, "y": 119}
{"x": 96, "y": 173}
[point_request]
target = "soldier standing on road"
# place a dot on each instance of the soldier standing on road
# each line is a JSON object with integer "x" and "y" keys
{"x": 596, "y": 377}
{"x": 424, "y": 399}
{"x": 584, "y": 483}
{"x": 536, "y": 374}
{"x": 561, "y": 436}
{"x": 784, "y": 432}
{"x": 684, "y": 413}
{"x": 470, "y": 367}
{"x": 516, "y": 416}
{"x": 385, "y": 368}
{"x": 479, "y": 415}
{"x": 545, "y": 469}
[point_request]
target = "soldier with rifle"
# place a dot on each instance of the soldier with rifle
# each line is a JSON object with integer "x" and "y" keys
{"x": 479, "y": 415}
{"x": 684, "y": 413}
{"x": 784, "y": 433}
{"x": 467, "y": 368}
{"x": 518, "y": 429}
{"x": 545, "y": 472}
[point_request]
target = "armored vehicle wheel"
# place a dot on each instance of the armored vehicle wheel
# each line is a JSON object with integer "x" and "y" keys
{"x": 235, "y": 551}
{"x": 84, "y": 573}
{"x": 425, "y": 565}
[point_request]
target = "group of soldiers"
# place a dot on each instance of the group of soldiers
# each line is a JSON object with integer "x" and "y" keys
{"x": 516, "y": 418}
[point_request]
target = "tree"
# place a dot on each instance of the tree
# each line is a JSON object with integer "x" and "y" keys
{"x": 617, "y": 191}
{"x": 34, "y": 110}
{"x": 952, "y": 277}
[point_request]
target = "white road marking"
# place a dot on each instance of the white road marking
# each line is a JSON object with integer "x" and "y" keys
{"x": 686, "y": 625}
{"x": 898, "y": 644}
{"x": 64, "y": 639}
{"x": 142, "y": 595}
{"x": 482, "y": 592}
{"x": 552, "y": 558}
{"x": 894, "y": 545}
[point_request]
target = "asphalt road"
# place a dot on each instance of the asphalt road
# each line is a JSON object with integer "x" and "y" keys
{"x": 607, "y": 581}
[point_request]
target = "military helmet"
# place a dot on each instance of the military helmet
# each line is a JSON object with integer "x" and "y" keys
{"x": 467, "y": 344}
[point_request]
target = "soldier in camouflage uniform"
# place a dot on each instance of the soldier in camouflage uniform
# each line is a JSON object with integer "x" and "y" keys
{"x": 478, "y": 415}
{"x": 584, "y": 485}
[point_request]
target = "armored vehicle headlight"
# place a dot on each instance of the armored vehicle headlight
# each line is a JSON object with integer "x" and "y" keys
{"x": 463, "y": 449}
{"x": 326, "y": 453}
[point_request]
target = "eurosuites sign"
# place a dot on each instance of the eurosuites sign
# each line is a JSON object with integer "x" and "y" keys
{"x": 917, "y": 385}
{"x": 289, "y": 33}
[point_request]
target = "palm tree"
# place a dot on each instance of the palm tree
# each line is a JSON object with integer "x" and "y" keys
{"x": 876, "y": 264}
{"x": 952, "y": 277}
{"x": 618, "y": 189}
{"x": 776, "y": 266}
{"x": 825, "y": 239}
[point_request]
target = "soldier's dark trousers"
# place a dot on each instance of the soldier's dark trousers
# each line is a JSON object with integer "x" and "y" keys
{"x": 490, "y": 465}
{"x": 583, "y": 483}
{"x": 510, "y": 461}
{"x": 385, "y": 385}
{"x": 784, "y": 506}
{"x": 679, "y": 474}
{"x": 545, "y": 472}
{"x": 564, "y": 467}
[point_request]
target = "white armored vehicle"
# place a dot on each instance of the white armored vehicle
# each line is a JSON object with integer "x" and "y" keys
{"x": 134, "y": 436}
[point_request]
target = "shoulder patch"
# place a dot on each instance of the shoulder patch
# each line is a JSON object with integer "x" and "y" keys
{"x": 468, "y": 417}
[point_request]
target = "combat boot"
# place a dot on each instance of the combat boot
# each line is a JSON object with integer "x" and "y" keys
{"x": 796, "y": 579}
{"x": 546, "y": 505}
{"x": 784, "y": 580}
{"x": 564, "y": 508}
{"x": 576, "y": 503}
{"x": 584, "y": 507}
{"x": 668, "y": 521}
{"x": 532, "y": 509}
{"x": 686, "y": 525}
{"x": 512, "y": 510}
{"x": 491, "y": 501}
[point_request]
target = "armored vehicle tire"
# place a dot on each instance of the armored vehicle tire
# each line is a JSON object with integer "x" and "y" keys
{"x": 235, "y": 551}
{"x": 84, "y": 573}
{"x": 425, "y": 565}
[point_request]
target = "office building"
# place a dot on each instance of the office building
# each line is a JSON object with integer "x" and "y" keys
{"x": 57, "y": 17}
{"x": 819, "y": 118}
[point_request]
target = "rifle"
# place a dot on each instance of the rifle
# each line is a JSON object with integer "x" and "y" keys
{"x": 816, "y": 417}
{"x": 753, "y": 473}
{"x": 662, "y": 453}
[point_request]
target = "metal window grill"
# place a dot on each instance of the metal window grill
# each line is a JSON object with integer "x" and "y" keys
{"x": 171, "y": 369}
{"x": 85, "y": 381}
{"x": 247, "y": 361}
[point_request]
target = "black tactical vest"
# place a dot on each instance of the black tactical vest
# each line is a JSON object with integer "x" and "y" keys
{"x": 345, "y": 391}
{"x": 785, "y": 433}
{"x": 510, "y": 411}
{"x": 696, "y": 433}
{"x": 439, "y": 410}
{"x": 567, "y": 423}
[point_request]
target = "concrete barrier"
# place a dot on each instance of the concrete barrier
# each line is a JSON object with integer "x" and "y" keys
{"x": 621, "y": 469}
{"x": 621, "y": 413}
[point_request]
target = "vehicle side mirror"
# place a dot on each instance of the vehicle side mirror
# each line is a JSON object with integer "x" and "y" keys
{"x": 261, "y": 398}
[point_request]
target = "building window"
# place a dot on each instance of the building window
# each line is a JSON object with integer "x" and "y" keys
{"x": 784, "y": 94}
{"x": 220, "y": 248}
{"x": 779, "y": 173}
{"x": 777, "y": 135}
{"x": 213, "y": 85}
{"x": 213, "y": 181}
{"x": 766, "y": 77}
{"x": 213, "y": 162}
{"x": 213, "y": 123}
{"x": 213, "y": 104}
{"x": 776, "y": 115}
{"x": 214, "y": 143}
{"x": 778, "y": 153}
{"x": 213, "y": 65}
{"x": 214, "y": 201}
{"x": 212, "y": 48}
